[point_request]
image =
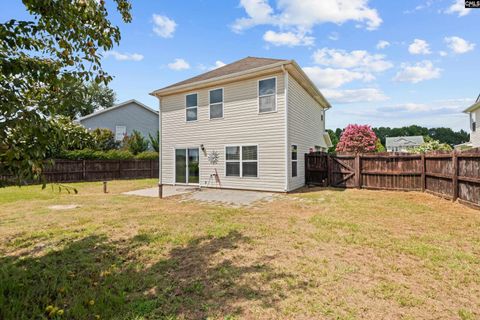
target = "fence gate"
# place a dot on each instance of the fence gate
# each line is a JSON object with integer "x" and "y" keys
{"x": 316, "y": 168}
{"x": 342, "y": 171}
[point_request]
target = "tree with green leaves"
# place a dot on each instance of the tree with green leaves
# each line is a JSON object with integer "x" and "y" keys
{"x": 82, "y": 98}
{"x": 61, "y": 44}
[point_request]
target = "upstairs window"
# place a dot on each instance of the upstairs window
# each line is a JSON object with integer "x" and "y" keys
{"x": 191, "y": 111}
{"x": 294, "y": 160}
{"x": 267, "y": 95}
{"x": 216, "y": 103}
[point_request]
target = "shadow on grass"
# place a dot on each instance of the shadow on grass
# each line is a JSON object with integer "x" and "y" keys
{"x": 316, "y": 189}
{"x": 94, "y": 278}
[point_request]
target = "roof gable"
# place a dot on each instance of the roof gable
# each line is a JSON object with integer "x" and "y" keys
{"x": 132, "y": 101}
{"x": 244, "y": 64}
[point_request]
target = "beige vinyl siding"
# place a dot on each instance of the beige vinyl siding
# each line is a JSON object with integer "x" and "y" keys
{"x": 241, "y": 125}
{"x": 475, "y": 136}
{"x": 305, "y": 128}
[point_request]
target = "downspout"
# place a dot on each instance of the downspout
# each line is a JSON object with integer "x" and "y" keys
{"x": 285, "y": 84}
{"x": 160, "y": 155}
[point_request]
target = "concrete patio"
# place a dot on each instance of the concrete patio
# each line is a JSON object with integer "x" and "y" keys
{"x": 220, "y": 196}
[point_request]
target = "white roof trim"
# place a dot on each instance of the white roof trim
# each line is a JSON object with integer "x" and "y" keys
{"x": 472, "y": 108}
{"x": 94, "y": 114}
{"x": 192, "y": 85}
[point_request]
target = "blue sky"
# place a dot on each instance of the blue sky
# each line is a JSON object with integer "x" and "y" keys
{"x": 383, "y": 63}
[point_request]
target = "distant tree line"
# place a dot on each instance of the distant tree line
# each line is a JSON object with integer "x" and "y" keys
{"x": 442, "y": 134}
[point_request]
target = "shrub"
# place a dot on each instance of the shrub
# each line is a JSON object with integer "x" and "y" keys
{"x": 379, "y": 146}
{"x": 357, "y": 138}
{"x": 147, "y": 155}
{"x": 71, "y": 136}
{"x": 89, "y": 154}
{"x": 104, "y": 139}
{"x": 135, "y": 143}
{"x": 431, "y": 145}
{"x": 154, "y": 141}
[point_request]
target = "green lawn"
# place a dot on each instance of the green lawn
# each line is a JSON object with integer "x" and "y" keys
{"x": 327, "y": 254}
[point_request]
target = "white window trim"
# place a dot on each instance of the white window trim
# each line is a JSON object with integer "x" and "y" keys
{"x": 186, "y": 108}
{"x": 274, "y": 94}
{"x": 124, "y": 134}
{"x": 175, "y": 183}
{"x": 292, "y": 160}
{"x": 241, "y": 160}
{"x": 210, "y": 104}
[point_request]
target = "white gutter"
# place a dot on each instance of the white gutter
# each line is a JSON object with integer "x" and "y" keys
{"x": 287, "y": 146}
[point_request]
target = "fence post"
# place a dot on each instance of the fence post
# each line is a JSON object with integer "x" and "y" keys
{"x": 455, "y": 175}
{"x": 329, "y": 173}
{"x": 358, "y": 171}
{"x": 307, "y": 172}
{"x": 119, "y": 169}
{"x": 422, "y": 178}
{"x": 84, "y": 169}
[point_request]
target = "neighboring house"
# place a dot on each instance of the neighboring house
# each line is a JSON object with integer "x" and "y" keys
{"x": 123, "y": 118}
{"x": 474, "y": 112}
{"x": 246, "y": 125}
{"x": 402, "y": 144}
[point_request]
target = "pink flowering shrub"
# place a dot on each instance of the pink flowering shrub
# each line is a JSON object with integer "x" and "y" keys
{"x": 357, "y": 138}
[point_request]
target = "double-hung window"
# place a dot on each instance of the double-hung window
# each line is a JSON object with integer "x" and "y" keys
{"x": 294, "y": 160}
{"x": 216, "y": 103}
{"x": 241, "y": 161}
{"x": 191, "y": 111}
{"x": 267, "y": 89}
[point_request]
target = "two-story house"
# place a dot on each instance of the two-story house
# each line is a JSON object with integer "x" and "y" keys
{"x": 246, "y": 125}
{"x": 474, "y": 112}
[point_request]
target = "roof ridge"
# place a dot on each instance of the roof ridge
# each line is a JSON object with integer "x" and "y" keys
{"x": 240, "y": 65}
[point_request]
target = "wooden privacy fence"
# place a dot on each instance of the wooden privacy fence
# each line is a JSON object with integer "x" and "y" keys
{"x": 97, "y": 170}
{"x": 452, "y": 175}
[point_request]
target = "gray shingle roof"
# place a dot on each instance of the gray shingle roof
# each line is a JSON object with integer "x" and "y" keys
{"x": 404, "y": 141}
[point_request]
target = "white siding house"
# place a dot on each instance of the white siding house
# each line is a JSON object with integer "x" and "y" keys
{"x": 234, "y": 127}
{"x": 474, "y": 116}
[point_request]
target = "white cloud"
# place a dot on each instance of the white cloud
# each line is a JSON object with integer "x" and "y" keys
{"x": 446, "y": 106}
{"x": 419, "y": 46}
{"x": 357, "y": 59}
{"x": 334, "y": 36}
{"x": 179, "y": 64}
{"x": 334, "y": 78}
{"x": 382, "y": 44}
{"x": 418, "y": 72}
{"x": 458, "y": 7}
{"x": 354, "y": 95}
{"x": 300, "y": 16}
{"x": 123, "y": 56}
{"x": 289, "y": 39}
{"x": 443, "y": 53}
{"x": 218, "y": 64}
{"x": 459, "y": 45}
{"x": 163, "y": 26}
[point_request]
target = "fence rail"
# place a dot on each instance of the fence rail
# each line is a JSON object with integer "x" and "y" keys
{"x": 452, "y": 175}
{"x": 97, "y": 170}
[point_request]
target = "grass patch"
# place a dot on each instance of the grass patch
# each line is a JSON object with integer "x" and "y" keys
{"x": 322, "y": 254}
